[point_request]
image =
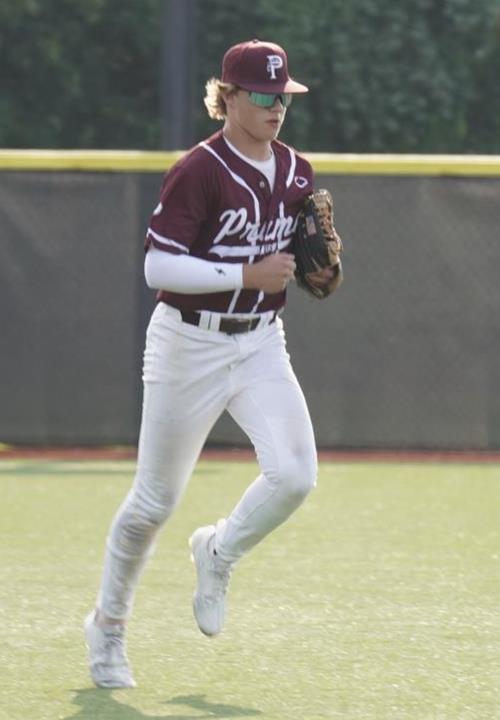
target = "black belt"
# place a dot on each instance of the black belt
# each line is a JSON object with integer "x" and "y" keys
{"x": 229, "y": 326}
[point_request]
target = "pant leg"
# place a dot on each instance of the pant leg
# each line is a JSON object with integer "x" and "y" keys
{"x": 270, "y": 407}
{"x": 185, "y": 391}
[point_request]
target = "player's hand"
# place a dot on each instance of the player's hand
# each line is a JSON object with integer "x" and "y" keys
{"x": 323, "y": 278}
{"x": 272, "y": 274}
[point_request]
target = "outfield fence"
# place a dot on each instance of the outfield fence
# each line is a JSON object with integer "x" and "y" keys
{"x": 406, "y": 356}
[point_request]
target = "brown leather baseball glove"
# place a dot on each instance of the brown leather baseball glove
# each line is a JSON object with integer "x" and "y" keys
{"x": 317, "y": 246}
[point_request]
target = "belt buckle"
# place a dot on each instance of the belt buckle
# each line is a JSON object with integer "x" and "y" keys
{"x": 232, "y": 326}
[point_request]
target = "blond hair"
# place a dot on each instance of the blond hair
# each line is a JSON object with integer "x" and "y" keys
{"x": 216, "y": 92}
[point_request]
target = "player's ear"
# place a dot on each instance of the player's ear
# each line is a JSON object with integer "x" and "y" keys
{"x": 229, "y": 94}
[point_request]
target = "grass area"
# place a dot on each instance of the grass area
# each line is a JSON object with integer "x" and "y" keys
{"x": 379, "y": 599}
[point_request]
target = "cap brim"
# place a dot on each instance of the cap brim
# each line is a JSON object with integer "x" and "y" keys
{"x": 291, "y": 86}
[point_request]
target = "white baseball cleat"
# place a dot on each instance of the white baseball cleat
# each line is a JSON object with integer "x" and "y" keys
{"x": 213, "y": 579}
{"x": 108, "y": 662}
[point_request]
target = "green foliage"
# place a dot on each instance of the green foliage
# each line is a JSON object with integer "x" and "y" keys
{"x": 383, "y": 76}
{"x": 78, "y": 74}
{"x": 483, "y": 109}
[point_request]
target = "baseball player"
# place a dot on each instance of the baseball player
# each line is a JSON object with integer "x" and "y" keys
{"x": 218, "y": 253}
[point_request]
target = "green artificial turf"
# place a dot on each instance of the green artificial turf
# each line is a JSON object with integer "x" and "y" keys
{"x": 379, "y": 599}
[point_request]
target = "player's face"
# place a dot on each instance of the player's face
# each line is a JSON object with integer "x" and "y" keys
{"x": 262, "y": 124}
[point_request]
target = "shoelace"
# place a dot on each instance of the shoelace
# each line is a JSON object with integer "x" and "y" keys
{"x": 115, "y": 644}
{"x": 222, "y": 575}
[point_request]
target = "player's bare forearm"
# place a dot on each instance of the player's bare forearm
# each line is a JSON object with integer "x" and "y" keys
{"x": 272, "y": 274}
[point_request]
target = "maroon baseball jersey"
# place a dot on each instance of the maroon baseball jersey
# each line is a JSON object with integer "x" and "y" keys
{"x": 215, "y": 206}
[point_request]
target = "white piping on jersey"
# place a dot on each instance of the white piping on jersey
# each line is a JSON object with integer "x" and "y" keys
{"x": 239, "y": 180}
{"x": 266, "y": 167}
{"x": 167, "y": 241}
{"x": 282, "y": 244}
{"x": 293, "y": 164}
{"x": 260, "y": 298}
{"x": 234, "y": 300}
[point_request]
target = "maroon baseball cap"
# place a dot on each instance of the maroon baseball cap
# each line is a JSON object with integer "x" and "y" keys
{"x": 259, "y": 67}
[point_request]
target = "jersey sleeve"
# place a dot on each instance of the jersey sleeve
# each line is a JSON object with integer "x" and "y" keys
{"x": 182, "y": 209}
{"x": 304, "y": 179}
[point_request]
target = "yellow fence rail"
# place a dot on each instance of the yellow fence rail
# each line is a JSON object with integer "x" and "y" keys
{"x": 323, "y": 163}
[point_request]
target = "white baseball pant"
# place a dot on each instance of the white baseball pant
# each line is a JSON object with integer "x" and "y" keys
{"x": 191, "y": 376}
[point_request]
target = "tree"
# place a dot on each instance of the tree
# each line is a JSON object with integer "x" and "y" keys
{"x": 383, "y": 76}
{"x": 79, "y": 74}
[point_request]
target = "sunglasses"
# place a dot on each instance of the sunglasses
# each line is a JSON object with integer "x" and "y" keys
{"x": 267, "y": 100}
